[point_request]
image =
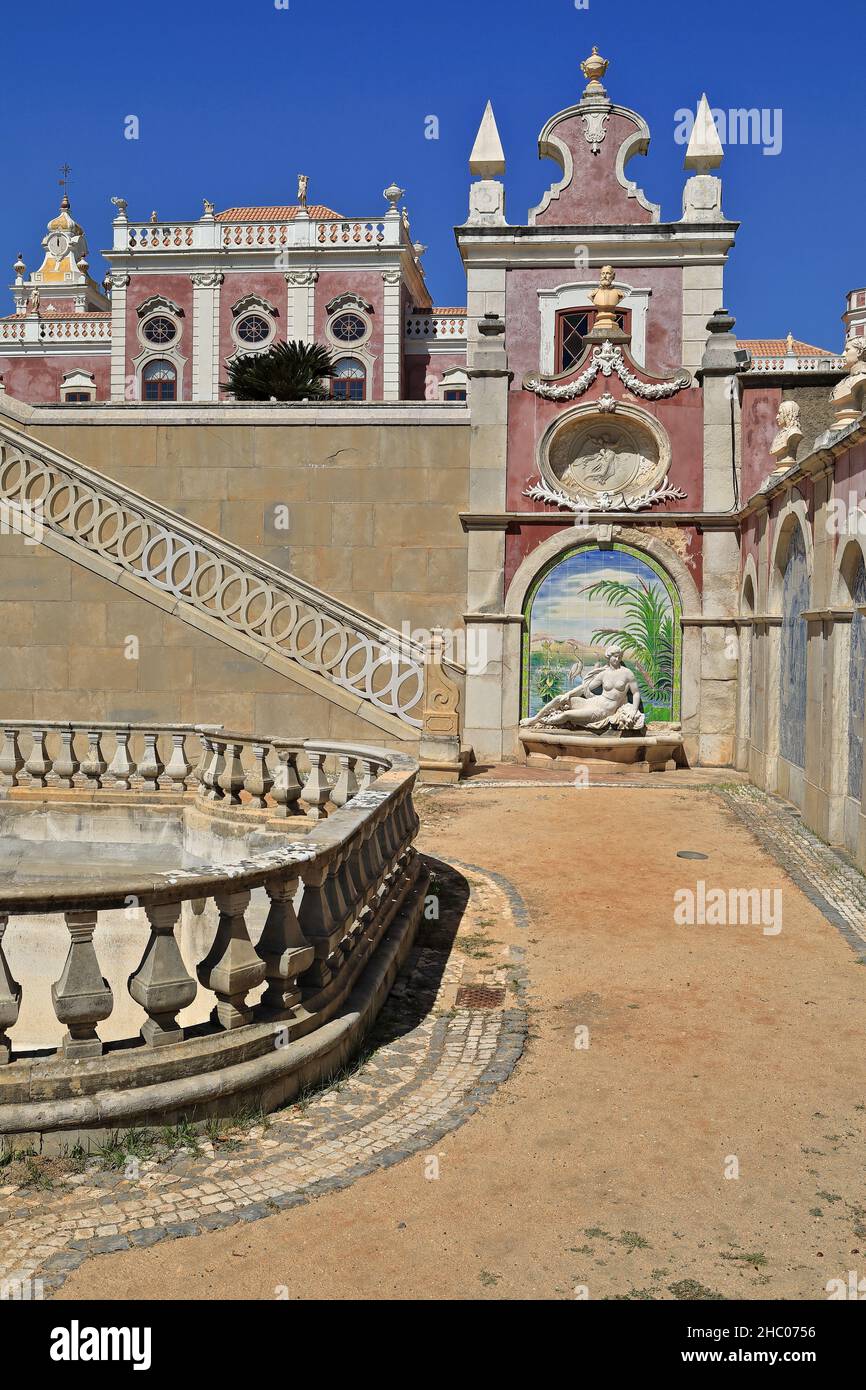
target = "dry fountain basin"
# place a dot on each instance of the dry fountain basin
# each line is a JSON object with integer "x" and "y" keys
{"x": 191, "y": 920}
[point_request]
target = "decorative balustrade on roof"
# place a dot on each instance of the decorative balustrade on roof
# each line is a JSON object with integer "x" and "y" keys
{"x": 266, "y": 234}
{"x": 791, "y": 363}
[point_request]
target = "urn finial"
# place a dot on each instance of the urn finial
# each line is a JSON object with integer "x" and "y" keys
{"x": 594, "y": 68}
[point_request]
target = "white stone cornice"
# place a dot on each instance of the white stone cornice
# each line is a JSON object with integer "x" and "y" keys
{"x": 623, "y": 245}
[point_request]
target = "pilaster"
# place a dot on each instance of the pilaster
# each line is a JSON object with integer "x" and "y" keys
{"x": 489, "y": 377}
{"x": 119, "y": 284}
{"x": 301, "y": 304}
{"x": 392, "y": 335}
{"x": 205, "y": 335}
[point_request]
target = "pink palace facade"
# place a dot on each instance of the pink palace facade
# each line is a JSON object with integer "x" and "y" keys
{"x": 597, "y": 412}
{"x": 183, "y": 299}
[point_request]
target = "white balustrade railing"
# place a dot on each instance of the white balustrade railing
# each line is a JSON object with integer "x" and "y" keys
{"x": 78, "y": 328}
{"x": 215, "y": 579}
{"x": 209, "y": 234}
{"x": 809, "y": 363}
{"x": 350, "y": 812}
{"x": 436, "y": 327}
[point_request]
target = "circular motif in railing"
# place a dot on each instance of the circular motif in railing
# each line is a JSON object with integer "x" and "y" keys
{"x": 160, "y": 330}
{"x": 348, "y": 328}
{"x": 213, "y": 584}
{"x": 253, "y": 329}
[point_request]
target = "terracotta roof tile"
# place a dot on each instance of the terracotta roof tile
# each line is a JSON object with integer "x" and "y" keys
{"x": 50, "y": 312}
{"x": 281, "y": 213}
{"x": 778, "y": 347}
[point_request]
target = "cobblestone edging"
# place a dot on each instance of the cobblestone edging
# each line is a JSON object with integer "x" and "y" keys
{"x": 433, "y": 1066}
{"x": 835, "y": 887}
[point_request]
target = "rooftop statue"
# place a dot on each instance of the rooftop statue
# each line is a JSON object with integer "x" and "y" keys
{"x": 615, "y": 705}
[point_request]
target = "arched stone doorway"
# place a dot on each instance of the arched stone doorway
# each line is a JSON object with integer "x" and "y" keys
{"x": 589, "y": 599}
{"x": 848, "y": 695}
{"x": 746, "y": 695}
{"x": 672, "y": 566}
{"x": 790, "y": 595}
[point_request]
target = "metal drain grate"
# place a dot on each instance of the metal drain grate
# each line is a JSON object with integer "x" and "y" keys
{"x": 480, "y": 996}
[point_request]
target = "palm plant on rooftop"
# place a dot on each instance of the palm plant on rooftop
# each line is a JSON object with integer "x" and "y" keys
{"x": 286, "y": 372}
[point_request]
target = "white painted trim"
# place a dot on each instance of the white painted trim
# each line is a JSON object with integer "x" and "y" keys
{"x": 245, "y": 349}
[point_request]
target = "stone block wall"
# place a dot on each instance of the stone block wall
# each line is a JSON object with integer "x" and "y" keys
{"x": 366, "y": 512}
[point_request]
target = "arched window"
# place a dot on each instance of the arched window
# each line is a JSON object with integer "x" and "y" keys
{"x": 159, "y": 382}
{"x": 792, "y": 669}
{"x": 349, "y": 382}
{"x": 589, "y": 600}
{"x": 571, "y": 327}
{"x": 857, "y": 684}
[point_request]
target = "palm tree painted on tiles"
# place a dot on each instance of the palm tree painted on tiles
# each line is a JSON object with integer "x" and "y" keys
{"x": 646, "y": 635}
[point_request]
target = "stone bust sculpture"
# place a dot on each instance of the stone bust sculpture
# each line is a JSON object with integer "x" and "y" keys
{"x": 606, "y": 299}
{"x": 608, "y": 698}
{"x": 849, "y": 395}
{"x": 786, "y": 443}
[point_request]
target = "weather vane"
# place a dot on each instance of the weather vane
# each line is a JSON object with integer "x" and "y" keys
{"x": 65, "y": 171}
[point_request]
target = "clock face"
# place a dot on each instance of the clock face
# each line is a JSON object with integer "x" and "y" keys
{"x": 58, "y": 245}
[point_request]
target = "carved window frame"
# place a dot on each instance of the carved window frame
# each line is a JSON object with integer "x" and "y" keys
{"x": 574, "y": 297}
{"x": 455, "y": 379}
{"x": 357, "y": 312}
{"x": 157, "y": 306}
{"x": 623, "y": 317}
{"x": 364, "y": 362}
{"x": 77, "y": 387}
{"x": 262, "y": 308}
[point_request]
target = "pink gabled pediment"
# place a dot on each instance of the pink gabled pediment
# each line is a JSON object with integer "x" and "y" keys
{"x": 593, "y": 143}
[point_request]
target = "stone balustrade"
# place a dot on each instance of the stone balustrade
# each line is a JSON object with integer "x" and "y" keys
{"x": 326, "y": 832}
{"x": 792, "y": 363}
{"x": 32, "y": 329}
{"x": 212, "y": 234}
{"x": 432, "y": 326}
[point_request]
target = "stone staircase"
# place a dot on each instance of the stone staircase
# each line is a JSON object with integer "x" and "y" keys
{"x": 270, "y": 616}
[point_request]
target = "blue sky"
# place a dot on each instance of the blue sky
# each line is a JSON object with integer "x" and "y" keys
{"x": 235, "y": 99}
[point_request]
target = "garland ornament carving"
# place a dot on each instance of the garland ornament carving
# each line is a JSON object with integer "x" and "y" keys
{"x": 606, "y": 359}
{"x": 203, "y": 573}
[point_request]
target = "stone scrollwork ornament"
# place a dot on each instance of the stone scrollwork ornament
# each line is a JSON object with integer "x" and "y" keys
{"x": 595, "y": 128}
